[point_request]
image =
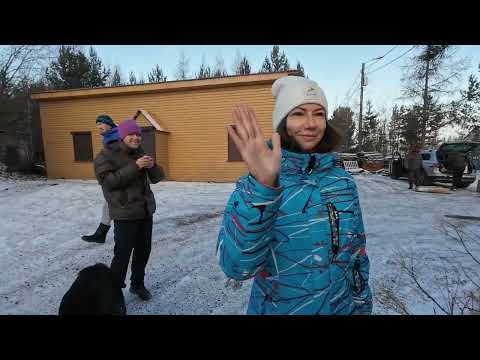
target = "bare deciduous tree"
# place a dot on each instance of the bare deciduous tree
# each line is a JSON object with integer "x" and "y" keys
{"x": 20, "y": 62}
{"x": 182, "y": 67}
{"x": 453, "y": 287}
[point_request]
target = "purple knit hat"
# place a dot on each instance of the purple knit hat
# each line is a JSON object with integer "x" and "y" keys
{"x": 128, "y": 127}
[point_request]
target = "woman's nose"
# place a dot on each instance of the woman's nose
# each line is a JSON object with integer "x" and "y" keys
{"x": 310, "y": 120}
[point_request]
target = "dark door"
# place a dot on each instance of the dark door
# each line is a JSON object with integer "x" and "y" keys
{"x": 148, "y": 141}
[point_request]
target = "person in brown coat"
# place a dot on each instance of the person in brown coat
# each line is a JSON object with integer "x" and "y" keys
{"x": 456, "y": 163}
{"x": 124, "y": 172}
{"x": 413, "y": 163}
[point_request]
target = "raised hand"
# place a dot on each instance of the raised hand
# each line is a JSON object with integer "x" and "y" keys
{"x": 262, "y": 162}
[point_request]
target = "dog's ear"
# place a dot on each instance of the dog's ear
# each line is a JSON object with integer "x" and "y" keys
{"x": 84, "y": 271}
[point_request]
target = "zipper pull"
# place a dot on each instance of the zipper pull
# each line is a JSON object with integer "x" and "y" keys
{"x": 311, "y": 164}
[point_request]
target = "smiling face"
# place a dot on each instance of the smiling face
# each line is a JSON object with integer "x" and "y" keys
{"x": 133, "y": 141}
{"x": 306, "y": 124}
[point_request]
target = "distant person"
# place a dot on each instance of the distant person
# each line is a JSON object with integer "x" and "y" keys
{"x": 125, "y": 171}
{"x": 413, "y": 163}
{"x": 108, "y": 129}
{"x": 456, "y": 163}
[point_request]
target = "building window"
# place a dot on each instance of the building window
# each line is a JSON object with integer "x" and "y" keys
{"x": 82, "y": 146}
{"x": 233, "y": 153}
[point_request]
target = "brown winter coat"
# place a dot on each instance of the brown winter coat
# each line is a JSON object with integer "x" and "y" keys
{"x": 125, "y": 187}
{"x": 413, "y": 161}
{"x": 455, "y": 161}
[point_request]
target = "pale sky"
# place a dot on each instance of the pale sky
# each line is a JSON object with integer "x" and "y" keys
{"x": 335, "y": 68}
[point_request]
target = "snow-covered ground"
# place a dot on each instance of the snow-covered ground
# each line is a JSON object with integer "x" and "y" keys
{"x": 41, "y": 222}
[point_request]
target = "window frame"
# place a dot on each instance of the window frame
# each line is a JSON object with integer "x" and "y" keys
{"x": 75, "y": 144}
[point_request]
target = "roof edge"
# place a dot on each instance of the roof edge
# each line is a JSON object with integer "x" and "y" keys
{"x": 234, "y": 80}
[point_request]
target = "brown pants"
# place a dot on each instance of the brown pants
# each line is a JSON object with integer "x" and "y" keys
{"x": 413, "y": 176}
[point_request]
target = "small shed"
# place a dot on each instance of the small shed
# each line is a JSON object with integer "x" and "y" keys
{"x": 184, "y": 124}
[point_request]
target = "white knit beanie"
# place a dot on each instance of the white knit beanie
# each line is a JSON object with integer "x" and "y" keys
{"x": 292, "y": 91}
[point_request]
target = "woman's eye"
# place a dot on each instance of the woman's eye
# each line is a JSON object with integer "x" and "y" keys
{"x": 297, "y": 114}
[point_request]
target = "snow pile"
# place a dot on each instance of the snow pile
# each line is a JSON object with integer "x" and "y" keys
{"x": 41, "y": 251}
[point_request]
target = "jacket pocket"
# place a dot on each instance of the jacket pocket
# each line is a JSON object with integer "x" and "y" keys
{"x": 119, "y": 198}
{"x": 358, "y": 282}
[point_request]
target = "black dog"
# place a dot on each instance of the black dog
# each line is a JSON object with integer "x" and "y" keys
{"x": 95, "y": 292}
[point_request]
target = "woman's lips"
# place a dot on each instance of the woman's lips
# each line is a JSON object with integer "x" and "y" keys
{"x": 309, "y": 137}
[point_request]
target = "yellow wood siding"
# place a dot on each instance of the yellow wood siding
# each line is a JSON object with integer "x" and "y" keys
{"x": 161, "y": 150}
{"x": 197, "y": 147}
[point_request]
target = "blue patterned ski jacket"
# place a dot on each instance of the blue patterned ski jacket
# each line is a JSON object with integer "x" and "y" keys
{"x": 304, "y": 243}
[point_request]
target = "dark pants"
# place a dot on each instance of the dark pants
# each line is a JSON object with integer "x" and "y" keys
{"x": 133, "y": 235}
{"x": 413, "y": 176}
{"x": 457, "y": 178}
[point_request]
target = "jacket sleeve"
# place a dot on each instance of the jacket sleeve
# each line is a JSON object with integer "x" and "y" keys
{"x": 155, "y": 174}
{"x": 362, "y": 298}
{"x": 246, "y": 231}
{"x": 111, "y": 178}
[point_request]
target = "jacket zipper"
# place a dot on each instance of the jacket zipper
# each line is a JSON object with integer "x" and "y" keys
{"x": 311, "y": 165}
{"x": 335, "y": 227}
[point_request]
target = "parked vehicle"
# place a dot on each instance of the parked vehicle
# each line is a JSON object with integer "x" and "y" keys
{"x": 433, "y": 164}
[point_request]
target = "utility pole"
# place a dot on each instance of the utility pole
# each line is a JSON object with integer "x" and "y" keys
{"x": 425, "y": 106}
{"x": 362, "y": 84}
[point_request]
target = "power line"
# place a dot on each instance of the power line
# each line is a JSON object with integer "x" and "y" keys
{"x": 354, "y": 85}
{"x": 356, "y": 89}
{"x": 381, "y": 57}
{"x": 381, "y": 67}
{"x": 349, "y": 94}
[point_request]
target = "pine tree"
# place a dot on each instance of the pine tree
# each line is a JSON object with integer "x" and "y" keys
{"x": 97, "y": 75}
{"x": 429, "y": 74}
{"x": 244, "y": 66}
{"x": 300, "y": 70}
{"x": 382, "y": 142}
{"x": 370, "y": 129}
{"x": 279, "y": 61}
{"x": 70, "y": 69}
{"x": 73, "y": 69}
{"x": 465, "y": 112}
{"x": 342, "y": 120}
{"x": 116, "y": 77}
{"x": 394, "y": 129}
{"x": 266, "y": 66}
{"x": 156, "y": 75}
{"x": 410, "y": 126}
{"x": 205, "y": 71}
{"x": 132, "y": 79}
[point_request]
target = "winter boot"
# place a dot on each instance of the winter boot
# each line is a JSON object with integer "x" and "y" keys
{"x": 99, "y": 236}
{"x": 141, "y": 292}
